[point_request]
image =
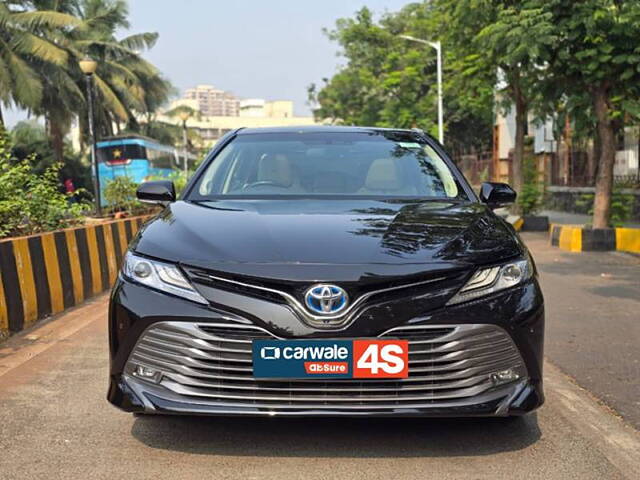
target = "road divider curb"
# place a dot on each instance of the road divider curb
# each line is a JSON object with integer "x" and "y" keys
{"x": 516, "y": 221}
{"x": 577, "y": 238}
{"x": 45, "y": 274}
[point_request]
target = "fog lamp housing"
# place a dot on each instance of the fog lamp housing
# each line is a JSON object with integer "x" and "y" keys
{"x": 505, "y": 376}
{"x": 146, "y": 373}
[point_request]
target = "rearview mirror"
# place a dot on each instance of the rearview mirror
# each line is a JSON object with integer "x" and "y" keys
{"x": 496, "y": 195}
{"x": 161, "y": 192}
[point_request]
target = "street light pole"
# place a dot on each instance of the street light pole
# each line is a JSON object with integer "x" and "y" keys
{"x": 184, "y": 116}
{"x": 88, "y": 67}
{"x": 186, "y": 153}
{"x": 438, "y": 48}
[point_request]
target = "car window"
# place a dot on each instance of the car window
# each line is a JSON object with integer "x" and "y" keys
{"x": 327, "y": 164}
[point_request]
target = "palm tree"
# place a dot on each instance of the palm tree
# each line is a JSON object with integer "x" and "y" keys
{"x": 157, "y": 90}
{"x": 22, "y": 45}
{"x": 126, "y": 84}
{"x": 41, "y": 42}
{"x": 184, "y": 113}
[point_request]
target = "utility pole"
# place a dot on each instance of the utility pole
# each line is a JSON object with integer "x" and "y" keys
{"x": 438, "y": 48}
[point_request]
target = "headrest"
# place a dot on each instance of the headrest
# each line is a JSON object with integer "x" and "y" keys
{"x": 383, "y": 175}
{"x": 275, "y": 168}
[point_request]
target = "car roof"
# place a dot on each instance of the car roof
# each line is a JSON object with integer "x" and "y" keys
{"x": 322, "y": 129}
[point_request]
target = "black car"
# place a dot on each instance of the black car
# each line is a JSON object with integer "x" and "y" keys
{"x": 327, "y": 271}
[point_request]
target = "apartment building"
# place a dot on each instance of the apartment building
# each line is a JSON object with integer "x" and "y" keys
{"x": 213, "y": 102}
{"x": 253, "y": 112}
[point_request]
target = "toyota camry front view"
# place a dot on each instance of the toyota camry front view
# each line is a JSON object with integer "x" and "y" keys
{"x": 327, "y": 271}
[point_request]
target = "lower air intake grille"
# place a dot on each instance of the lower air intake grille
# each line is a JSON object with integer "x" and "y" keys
{"x": 211, "y": 364}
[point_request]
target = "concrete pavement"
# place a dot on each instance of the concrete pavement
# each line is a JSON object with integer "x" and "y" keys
{"x": 56, "y": 423}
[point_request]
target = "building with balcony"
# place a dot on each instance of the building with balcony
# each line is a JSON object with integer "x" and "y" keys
{"x": 213, "y": 102}
{"x": 252, "y": 113}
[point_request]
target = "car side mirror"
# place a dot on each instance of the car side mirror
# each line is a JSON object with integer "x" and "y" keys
{"x": 496, "y": 195}
{"x": 161, "y": 192}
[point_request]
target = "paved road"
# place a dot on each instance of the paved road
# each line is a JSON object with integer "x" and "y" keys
{"x": 592, "y": 305}
{"x": 55, "y": 423}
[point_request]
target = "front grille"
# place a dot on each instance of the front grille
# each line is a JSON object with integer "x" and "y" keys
{"x": 243, "y": 296}
{"x": 211, "y": 363}
{"x": 382, "y": 289}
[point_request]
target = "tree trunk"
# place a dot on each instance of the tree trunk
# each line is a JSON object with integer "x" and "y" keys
{"x": 607, "y": 141}
{"x": 1, "y": 118}
{"x": 56, "y": 138}
{"x": 594, "y": 158}
{"x": 566, "y": 163}
{"x": 521, "y": 126}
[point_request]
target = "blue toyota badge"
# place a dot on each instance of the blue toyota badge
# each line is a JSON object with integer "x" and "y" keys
{"x": 326, "y": 299}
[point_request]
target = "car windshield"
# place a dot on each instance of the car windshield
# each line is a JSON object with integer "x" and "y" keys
{"x": 389, "y": 164}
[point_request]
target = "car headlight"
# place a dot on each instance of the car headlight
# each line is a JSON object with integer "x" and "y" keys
{"x": 494, "y": 279}
{"x": 161, "y": 276}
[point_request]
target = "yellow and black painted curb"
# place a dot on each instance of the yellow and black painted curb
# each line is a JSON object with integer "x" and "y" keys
{"x": 517, "y": 223}
{"x": 576, "y": 238}
{"x": 44, "y": 274}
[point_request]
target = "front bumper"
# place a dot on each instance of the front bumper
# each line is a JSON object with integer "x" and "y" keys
{"x": 516, "y": 399}
{"x": 134, "y": 310}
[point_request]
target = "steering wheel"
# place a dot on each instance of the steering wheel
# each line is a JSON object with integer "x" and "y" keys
{"x": 262, "y": 183}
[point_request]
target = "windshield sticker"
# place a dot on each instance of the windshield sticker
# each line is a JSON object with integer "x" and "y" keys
{"x": 410, "y": 145}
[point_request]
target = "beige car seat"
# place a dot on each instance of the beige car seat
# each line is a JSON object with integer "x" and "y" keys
{"x": 277, "y": 168}
{"x": 384, "y": 177}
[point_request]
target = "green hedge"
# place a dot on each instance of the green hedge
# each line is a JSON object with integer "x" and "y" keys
{"x": 32, "y": 203}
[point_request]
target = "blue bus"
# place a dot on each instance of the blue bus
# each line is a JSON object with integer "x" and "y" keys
{"x": 137, "y": 157}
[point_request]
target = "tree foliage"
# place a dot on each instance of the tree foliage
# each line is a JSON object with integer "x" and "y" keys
{"x": 512, "y": 37}
{"x": 595, "y": 60}
{"x": 30, "y": 202}
{"x": 388, "y": 81}
{"x": 120, "y": 194}
{"x": 30, "y": 142}
{"x": 41, "y": 42}
{"x": 573, "y": 60}
{"x": 530, "y": 198}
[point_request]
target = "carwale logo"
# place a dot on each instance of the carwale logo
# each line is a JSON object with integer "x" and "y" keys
{"x": 330, "y": 358}
{"x": 270, "y": 353}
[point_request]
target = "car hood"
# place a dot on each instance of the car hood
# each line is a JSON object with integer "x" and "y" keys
{"x": 327, "y": 239}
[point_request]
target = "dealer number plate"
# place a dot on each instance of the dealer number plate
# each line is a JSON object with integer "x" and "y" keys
{"x": 362, "y": 358}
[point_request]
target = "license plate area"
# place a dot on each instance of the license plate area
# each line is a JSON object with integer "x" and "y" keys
{"x": 337, "y": 359}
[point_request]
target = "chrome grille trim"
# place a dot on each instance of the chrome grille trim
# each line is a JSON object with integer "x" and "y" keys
{"x": 324, "y": 321}
{"x": 211, "y": 363}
